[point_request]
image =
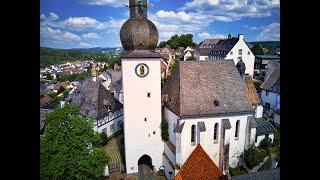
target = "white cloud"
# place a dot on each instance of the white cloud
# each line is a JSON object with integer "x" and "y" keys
{"x": 91, "y": 36}
{"x": 112, "y": 3}
{"x": 206, "y": 35}
{"x": 87, "y": 45}
{"x": 82, "y": 23}
{"x": 234, "y": 9}
{"x": 270, "y": 32}
{"x": 53, "y": 16}
{"x": 49, "y": 33}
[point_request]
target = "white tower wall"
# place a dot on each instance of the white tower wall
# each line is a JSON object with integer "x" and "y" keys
{"x": 138, "y": 133}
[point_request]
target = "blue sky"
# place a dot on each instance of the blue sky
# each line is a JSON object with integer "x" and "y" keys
{"x": 96, "y": 23}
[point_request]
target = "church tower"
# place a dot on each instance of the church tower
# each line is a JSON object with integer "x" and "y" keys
{"x": 141, "y": 81}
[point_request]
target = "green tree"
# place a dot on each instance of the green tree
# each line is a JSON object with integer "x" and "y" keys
{"x": 252, "y": 157}
{"x": 174, "y": 65}
{"x": 177, "y": 41}
{"x": 164, "y": 130}
{"x": 191, "y": 58}
{"x": 162, "y": 44}
{"x": 257, "y": 49}
{"x": 65, "y": 151}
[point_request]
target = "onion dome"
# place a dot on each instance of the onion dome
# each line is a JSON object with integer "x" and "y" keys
{"x": 138, "y": 33}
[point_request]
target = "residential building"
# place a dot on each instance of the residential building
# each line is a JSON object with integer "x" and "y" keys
{"x": 98, "y": 103}
{"x": 270, "y": 92}
{"x": 261, "y": 62}
{"x": 234, "y": 48}
{"x": 205, "y": 48}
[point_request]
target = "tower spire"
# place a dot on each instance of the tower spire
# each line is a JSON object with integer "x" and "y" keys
{"x": 138, "y": 9}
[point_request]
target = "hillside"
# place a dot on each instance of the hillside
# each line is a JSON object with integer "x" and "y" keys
{"x": 266, "y": 44}
{"x": 49, "y": 56}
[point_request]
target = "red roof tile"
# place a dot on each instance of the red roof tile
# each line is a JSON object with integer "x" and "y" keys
{"x": 199, "y": 166}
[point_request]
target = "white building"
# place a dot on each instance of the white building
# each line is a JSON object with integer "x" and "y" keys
{"x": 201, "y": 107}
{"x": 228, "y": 48}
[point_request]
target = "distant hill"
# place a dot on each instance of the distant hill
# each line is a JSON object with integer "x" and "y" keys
{"x": 266, "y": 44}
{"x": 50, "y": 56}
{"x": 97, "y": 49}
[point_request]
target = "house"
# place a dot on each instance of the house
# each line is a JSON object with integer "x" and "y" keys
{"x": 261, "y": 62}
{"x": 98, "y": 103}
{"x": 187, "y": 53}
{"x": 206, "y": 103}
{"x": 270, "y": 92}
{"x": 270, "y": 67}
{"x": 109, "y": 78}
{"x": 58, "y": 88}
{"x": 276, "y": 117}
{"x": 164, "y": 68}
{"x": 200, "y": 166}
{"x": 233, "y": 48}
{"x": 56, "y": 67}
{"x": 253, "y": 96}
{"x": 205, "y": 48}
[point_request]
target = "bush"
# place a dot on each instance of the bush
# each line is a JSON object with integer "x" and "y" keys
{"x": 237, "y": 171}
{"x": 265, "y": 144}
{"x": 104, "y": 138}
{"x": 164, "y": 130}
{"x": 191, "y": 58}
{"x": 276, "y": 140}
{"x": 252, "y": 157}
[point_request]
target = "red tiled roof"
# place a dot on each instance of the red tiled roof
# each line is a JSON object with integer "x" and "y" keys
{"x": 199, "y": 166}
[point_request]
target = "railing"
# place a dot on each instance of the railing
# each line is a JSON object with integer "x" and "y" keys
{"x": 109, "y": 117}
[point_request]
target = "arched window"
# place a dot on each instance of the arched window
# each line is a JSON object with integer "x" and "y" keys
{"x": 237, "y": 129}
{"x": 193, "y": 134}
{"x": 215, "y": 132}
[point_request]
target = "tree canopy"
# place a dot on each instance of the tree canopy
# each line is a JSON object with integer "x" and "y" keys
{"x": 177, "y": 41}
{"x": 65, "y": 151}
{"x": 257, "y": 49}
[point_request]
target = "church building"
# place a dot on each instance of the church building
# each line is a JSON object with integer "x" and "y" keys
{"x": 205, "y": 103}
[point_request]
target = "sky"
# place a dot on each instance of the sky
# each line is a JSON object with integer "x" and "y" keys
{"x": 96, "y": 23}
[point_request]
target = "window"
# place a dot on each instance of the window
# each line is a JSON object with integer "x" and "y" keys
{"x": 237, "y": 129}
{"x": 267, "y": 105}
{"x": 248, "y": 52}
{"x": 240, "y": 52}
{"x": 104, "y": 130}
{"x": 215, "y": 132}
{"x": 145, "y": 119}
{"x": 231, "y": 53}
{"x": 256, "y": 139}
{"x": 267, "y": 93}
{"x": 193, "y": 135}
{"x": 148, "y": 94}
{"x": 111, "y": 128}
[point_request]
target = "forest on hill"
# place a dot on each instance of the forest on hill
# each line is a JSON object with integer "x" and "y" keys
{"x": 50, "y": 56}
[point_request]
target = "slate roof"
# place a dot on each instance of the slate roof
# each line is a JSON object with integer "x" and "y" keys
{"x": 272, "y": 83}
{"x": 199, "y": 166}
{"x": 209, "y": 42}
{"x": 225, "y": 44}
{"x": 92, "y": 98}
{"x": 195, "y": 85}
{"x": 253, "y": 95}
{"x": 264, "y": 127}
{"x": 273, "y": 174}
{"x": 115, "y": 76}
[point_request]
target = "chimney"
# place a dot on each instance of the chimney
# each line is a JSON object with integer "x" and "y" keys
{"x": 240, "y": 36}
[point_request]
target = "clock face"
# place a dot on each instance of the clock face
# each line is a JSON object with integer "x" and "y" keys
{"x": 142, "y": 70}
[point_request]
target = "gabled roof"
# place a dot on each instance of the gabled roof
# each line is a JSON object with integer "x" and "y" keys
{"x": 92, "y": 98}
{"x": 199, "y": 166}
{"x": 253, "y": 95}
{"x": 195, "y": 85}
{"x": 204, "y": 51}
{"x": 225, "y": 44}
{"x": 209, "y": 43}
{"x": 264, "y": 127}
{"x": 115, "y": 76}
{"x": 272, "y": 83}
